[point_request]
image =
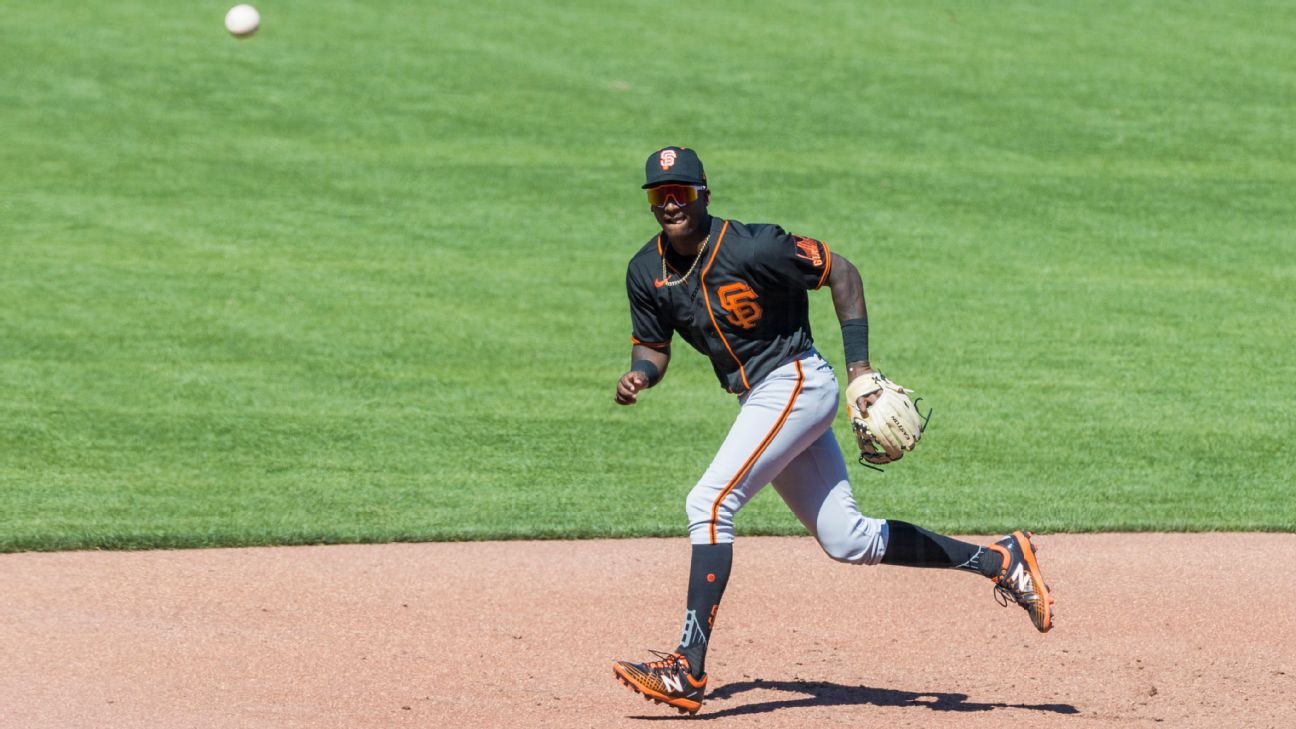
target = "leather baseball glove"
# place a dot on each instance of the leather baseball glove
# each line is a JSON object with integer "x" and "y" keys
{"x": 887, "y": 427}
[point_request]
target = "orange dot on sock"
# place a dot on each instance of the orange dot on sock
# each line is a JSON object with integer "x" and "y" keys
{"x": 710, "y": 577}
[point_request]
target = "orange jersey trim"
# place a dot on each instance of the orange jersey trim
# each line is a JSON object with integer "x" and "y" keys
{"x": 751, "y": 460}
{"x": 661, "y": 251}
{"x": 650, "y": 345}
{"x": 827, "y": 268}
{"x": 742, "y": 371}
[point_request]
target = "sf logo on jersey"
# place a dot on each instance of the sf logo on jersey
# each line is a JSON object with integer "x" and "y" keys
{"x": 740, "y": 301}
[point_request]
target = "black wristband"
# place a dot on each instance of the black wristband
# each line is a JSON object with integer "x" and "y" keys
{"x": 648, "y": 368}
{"x": 855, "y": 339}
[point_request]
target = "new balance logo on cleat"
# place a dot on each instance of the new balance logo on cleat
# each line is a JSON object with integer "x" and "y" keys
{"x": 1020, "y": 580}
{"x": 666, "y": 681}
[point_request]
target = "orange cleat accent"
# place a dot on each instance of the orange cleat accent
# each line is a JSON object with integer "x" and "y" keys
{"x": 1021, "y": 581}
{"x": 666, "y": 681}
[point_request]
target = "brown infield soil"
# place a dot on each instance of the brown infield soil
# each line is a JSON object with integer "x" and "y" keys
{"x": 1172, "y": 630}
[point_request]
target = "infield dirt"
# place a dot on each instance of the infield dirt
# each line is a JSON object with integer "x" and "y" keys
{"x": 1174, "y": 630}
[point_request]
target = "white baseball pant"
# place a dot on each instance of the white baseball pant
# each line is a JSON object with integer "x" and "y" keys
{"x": 783, "y": 435}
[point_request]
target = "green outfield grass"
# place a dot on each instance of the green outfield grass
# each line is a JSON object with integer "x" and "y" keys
{"x": 360, "y": 277}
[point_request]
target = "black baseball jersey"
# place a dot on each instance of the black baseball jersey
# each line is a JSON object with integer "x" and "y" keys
{"x": 744, "y": 306}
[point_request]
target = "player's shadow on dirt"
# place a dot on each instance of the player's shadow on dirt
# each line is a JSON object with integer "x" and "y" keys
{"x": 820, "y": 693}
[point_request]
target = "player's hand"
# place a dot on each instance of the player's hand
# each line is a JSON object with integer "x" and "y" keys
{"x": 862, "y": 403}
{"x": 885, "y": 420}
{"x": 628, "y": 387}
{"x": 858, "y": 410}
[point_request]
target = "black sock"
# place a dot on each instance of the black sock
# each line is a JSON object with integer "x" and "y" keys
{"x": 913, "y": 546}
{"x": 708, "y": 575}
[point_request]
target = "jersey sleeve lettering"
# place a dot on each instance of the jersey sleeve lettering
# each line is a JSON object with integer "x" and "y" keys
{"x": 798, "y": 260}
{"x": 650, "y": 326}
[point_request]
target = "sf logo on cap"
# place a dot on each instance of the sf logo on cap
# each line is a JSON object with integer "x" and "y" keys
{"x": 667, "y": 159}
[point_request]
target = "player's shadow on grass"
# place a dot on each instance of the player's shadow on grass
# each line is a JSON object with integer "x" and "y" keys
{"x": 820, "y": 693}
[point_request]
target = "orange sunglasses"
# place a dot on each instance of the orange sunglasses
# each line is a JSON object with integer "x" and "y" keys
{"x": 681, "y": 194}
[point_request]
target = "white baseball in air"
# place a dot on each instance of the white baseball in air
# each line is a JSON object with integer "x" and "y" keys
{"x": 242, "y": 21}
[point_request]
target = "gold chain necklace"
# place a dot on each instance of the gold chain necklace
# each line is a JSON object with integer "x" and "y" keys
{"x": 692, "y": 268}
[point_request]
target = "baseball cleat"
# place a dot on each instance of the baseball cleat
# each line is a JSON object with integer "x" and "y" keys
{"x": 1020, "y": 579}
{"x": 666, "y": 681}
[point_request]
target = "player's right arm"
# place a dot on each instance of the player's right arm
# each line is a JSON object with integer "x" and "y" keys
{"x": 650, "y": 329}
{"x": 647, "y": 368}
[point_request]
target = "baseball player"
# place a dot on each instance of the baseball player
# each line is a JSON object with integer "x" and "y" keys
{"x": 736, "y": 292}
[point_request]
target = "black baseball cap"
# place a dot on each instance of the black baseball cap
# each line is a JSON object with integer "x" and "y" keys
{"x": 674, "y": 164}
